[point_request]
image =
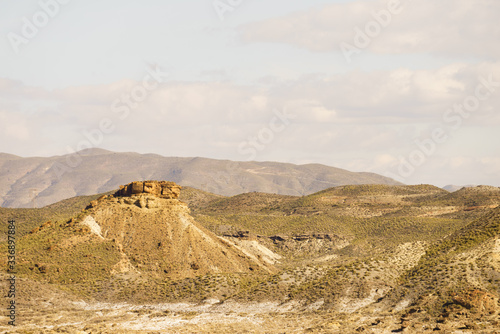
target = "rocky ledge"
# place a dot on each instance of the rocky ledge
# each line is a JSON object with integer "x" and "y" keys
{"x": 161, "y": 189}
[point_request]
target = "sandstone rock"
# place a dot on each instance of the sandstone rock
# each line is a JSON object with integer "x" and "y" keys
{"x": 151, "y": 187}
{"x": 477, "y": 301}
{"x": 136, "y": 188}
{"x": 161, "y": 189}
{"x": 96, "y": 202}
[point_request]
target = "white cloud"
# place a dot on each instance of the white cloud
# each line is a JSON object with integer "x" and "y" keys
{"x": 309, "y": 111}
{"x": 383, "y": 97}
{"x": 454, "y": 28}
{"x": 14, "y": 127}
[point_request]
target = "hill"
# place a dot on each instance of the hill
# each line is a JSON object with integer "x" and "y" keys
{"x": 372, "y": 258}
{"x": 457, "y": 279}
{"x": 31, "y": 218}
{"x": 452, "y": 188}
{"x": 142, "y": 233}
{"x": 36, "y": 182}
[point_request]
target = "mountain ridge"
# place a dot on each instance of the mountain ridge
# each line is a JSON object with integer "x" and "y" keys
{"x": 34, "y": 181}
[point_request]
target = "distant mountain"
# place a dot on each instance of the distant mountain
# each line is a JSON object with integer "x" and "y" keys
{"x": 36, "y": 181}
{"x": 452, "y": 188}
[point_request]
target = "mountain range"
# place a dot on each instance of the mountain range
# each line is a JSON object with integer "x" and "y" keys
{"x": 40, "y": 181}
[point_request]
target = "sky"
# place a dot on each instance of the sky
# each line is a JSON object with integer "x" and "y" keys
{"x": 406, "y": 89}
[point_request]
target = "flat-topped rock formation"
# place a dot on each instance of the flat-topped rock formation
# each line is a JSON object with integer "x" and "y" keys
{"x": 162, "y": 189}
{"x": 148, "y": 192}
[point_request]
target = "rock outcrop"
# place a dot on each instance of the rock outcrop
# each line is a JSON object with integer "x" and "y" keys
{"x": 161, "y": 189}
{"x": 314, "y": 244}
{"x": 477, "y": 301}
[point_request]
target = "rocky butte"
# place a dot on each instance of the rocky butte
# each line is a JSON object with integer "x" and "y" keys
{"x": 156, "y": 235}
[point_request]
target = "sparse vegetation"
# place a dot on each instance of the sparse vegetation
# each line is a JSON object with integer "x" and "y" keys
{"x": 343, "y": 249}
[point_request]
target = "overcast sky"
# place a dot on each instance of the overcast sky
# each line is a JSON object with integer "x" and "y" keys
{"x": 407, "y": 89}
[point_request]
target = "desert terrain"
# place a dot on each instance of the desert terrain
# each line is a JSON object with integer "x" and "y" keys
{"x": 151, "y": 257}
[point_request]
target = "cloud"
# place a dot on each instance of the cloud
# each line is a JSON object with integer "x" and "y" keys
{"x": 454, "y": 28}
{"x": 14, "y": 127}
{"x": 394, "y": 96}
{"x": 16, "y": 89}
{"x": 383, "y": 97}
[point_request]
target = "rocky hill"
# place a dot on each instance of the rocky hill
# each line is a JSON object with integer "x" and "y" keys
{"x": 36, "y": 182}
{"x": 141, "y": 232}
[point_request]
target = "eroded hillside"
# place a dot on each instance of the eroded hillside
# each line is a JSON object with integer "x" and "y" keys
{"x": 370, "y": 258}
